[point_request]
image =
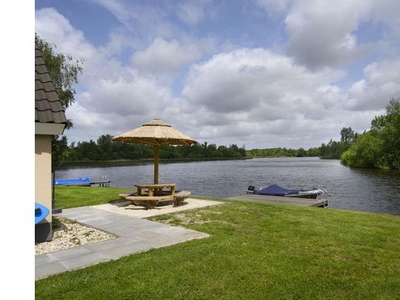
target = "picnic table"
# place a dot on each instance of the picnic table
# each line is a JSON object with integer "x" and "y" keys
{"x": 155, "y": 189}
{"x": 151, "y": 194}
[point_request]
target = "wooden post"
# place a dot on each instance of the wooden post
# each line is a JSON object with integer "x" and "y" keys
{"x": 156, "y": 154}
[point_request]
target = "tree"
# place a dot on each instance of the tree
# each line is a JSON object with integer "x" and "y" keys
{"x": 105, "y": 143}
{"x": 63, "y": 70}
{"x": 387, "y": 127}
{"x": 365, "y": 153}
{"x": 379, "y": 147}
{"x": 348, "y": 135}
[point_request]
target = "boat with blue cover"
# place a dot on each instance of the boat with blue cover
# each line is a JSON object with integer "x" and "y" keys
{"x": 77, "y": 181}
{"x": 276, "y": 190}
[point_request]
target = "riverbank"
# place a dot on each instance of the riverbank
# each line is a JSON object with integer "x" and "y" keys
{"x": 127, "y": 162}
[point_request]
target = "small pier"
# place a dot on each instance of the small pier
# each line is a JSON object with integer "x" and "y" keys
{"x": 101, "y": 183}
{"x": 283, "y": 200}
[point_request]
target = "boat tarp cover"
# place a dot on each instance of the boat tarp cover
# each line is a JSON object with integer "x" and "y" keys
{"x": 76, "y": 181}
{"x": 276, "y": 190}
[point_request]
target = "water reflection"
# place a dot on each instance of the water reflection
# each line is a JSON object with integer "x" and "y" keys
{"x": 363, "y": 190}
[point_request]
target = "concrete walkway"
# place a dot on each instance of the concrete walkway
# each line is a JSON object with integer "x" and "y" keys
{"x": 134, "y": 235}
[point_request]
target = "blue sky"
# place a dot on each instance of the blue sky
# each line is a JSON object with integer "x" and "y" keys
{"x": 255, "y": 73}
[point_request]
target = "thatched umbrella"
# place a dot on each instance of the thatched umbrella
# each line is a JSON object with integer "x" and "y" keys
{"x": 156, "y": 133}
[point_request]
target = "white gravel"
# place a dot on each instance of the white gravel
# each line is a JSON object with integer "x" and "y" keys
{"x": 71, "y": 234}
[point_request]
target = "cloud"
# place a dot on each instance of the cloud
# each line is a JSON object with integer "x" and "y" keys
{"x": 165, "y": 58}
{"x": 105, "y": 86}
{"x": 381, "y": 82}
{"x": 192, "y": 12}
{"x": 320, "y": 34}
{"x": 58, "y": 31}
{"x": 255, "y": 93}
{"x": 254, "y": 81}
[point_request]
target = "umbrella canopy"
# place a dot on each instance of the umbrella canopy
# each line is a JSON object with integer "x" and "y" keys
{"x": 156, "y": 133}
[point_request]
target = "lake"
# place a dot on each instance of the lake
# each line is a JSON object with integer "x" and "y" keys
{"x": 349, "y": 189}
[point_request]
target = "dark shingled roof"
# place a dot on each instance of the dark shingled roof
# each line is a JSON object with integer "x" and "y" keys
{"x": 48, "y": 107}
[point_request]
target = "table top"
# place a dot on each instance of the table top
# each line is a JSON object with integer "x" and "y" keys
{"x": 154, "y": 185}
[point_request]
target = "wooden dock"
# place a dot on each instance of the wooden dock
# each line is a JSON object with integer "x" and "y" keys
{"x": 101, "y": 183}
{"x": 283, "y": 200}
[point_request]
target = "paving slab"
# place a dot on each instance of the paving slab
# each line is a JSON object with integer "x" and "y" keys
{"x": 134, "y": 234}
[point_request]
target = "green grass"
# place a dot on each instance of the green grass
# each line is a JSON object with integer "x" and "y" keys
{"x": 76, "y": 196}
{"x": 256, "y": 251}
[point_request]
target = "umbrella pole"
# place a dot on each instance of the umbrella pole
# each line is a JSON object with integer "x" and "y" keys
{"x": 156, "y": 154}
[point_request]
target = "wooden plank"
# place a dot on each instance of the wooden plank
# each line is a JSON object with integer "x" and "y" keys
{"x": 283, "y": 200}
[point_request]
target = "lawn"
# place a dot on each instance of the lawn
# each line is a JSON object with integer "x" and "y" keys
{"x": 255, "y": 251}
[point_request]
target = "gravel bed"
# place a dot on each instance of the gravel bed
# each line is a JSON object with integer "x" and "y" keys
{"x": 68, "y": 234}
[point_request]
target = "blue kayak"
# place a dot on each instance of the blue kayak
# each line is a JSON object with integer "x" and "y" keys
{"x": 41, "y": 212}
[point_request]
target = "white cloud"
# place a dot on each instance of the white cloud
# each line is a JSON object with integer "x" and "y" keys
{"x": 322, "y": 34}
{"x": 253, "y": 93}
{"x": 192, "y": 12}
{"x": 381, "y": 82}
{"x": 165, "y": 58}
{"x": 57, "y": 30}
{"x": 105, "y": 86}
{"x": 253, "y": 80}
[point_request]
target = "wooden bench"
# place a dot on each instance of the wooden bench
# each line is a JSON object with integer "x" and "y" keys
{"x": 180, "y": 197}
{"x": 149, "y": 201}
{"x": 123, "y": 196}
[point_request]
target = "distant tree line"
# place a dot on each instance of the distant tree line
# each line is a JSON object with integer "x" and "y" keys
{"x": 332, "y": 150}
{"x": 283, "y": 152}
{"x": 105, "y": 149}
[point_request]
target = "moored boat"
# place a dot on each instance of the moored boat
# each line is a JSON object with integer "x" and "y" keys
{"x": 276, "y": 190}
{"x": 76, "y": 181}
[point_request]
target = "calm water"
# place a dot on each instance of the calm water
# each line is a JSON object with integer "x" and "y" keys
{"x": 362, "y": 190}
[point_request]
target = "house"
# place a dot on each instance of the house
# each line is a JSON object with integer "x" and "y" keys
{"x": 50, "y": 120}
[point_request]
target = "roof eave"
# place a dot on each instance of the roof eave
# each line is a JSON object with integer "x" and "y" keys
{"x": 49, "y": 128}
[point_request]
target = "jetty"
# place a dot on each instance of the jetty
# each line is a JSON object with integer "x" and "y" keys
{"x": 283, "y": 200}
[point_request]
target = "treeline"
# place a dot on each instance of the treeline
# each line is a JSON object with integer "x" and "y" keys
{"x": 105, "y": 149}
{"x": 332, "y": 150}
{"x": 283, "y": 152}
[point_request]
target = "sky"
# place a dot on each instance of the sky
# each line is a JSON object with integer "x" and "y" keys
{"x": 254, "y": 73}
